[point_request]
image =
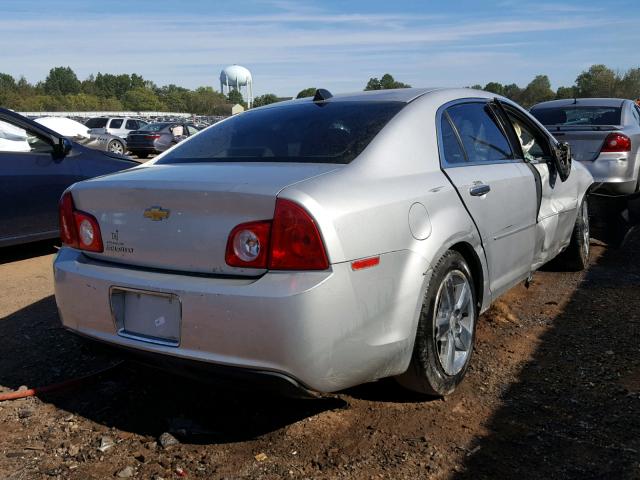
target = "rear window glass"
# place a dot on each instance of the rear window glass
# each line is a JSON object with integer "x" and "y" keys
{"x": 332, "y": 132}
{"x": 574, "y": 115}
{"x": 155, "y": 127}
{"x": 116, "y": 123}
{"x": 96, "y": 122}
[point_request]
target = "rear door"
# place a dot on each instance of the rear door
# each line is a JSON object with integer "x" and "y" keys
{"x": 498, "y": 190}
{"x": 116, "y": 127}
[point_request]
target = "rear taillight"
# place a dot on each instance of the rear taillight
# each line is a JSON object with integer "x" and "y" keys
{"x": 152, "y": 137}
{"x": 291, "y": 241}
{"x": 248, "y": 245}
{"x": 616, "y": 142}
{"x": 78, "y": 229}
{"x": 296, "y": 243}
{"x": 68, "y": 233}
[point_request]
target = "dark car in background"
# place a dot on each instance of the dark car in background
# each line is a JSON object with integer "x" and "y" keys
{"x": 604, "y": 134}
{"x": 158, "y": 137}
{"x": 36, "y": 167}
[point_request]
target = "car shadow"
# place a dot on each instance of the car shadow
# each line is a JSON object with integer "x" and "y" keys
{"x": 575, "y": 410}
{"x": 38, "y": 351}
{"x": 387, "y": 390}
{"x": 28, "y": 250}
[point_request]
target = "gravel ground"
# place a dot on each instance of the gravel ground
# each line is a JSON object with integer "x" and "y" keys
{"x": 553, "y": 392}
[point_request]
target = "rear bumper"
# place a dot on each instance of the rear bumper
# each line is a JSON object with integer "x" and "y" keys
{"x": 617, "y": 172}
{"x": 220, "y": 375}
{"x": 325, "y": 331}
{"x": 142, "y": 148}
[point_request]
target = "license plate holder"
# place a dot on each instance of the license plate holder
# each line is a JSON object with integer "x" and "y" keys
{"x": 148, "y": 316}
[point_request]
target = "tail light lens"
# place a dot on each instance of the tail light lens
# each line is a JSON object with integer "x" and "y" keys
{"x": 296, "y": 243}
{"x": 248, "y": 245}
{"x": 78, "y": 229}
{"x": 68, "y": 233}
{"x": 616, "y": 142}
{"x": 152, "y": 137}
{"x": 291, "y": 241}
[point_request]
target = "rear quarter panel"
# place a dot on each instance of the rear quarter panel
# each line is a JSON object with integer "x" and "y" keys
{"x": 364, "y": 209}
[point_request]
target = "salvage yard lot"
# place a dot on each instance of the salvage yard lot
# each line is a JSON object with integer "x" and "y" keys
{"x": 553, "y": 392}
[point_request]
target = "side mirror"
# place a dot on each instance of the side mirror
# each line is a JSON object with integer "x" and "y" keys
{"x": 62, "y": 148}
{"x": 562, "y": 159}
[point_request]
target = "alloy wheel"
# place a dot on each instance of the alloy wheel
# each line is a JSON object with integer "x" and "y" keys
{"x": 454, "y": 322}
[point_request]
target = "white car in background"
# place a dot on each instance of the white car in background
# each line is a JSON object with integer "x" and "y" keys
{"x": 79, "y": 133}
{"x": 117, "y": 126}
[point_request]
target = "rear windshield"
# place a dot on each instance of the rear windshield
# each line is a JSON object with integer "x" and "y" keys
{"x": 96, "y": 122}
{"x": 331, "y": 132}
{"x": 154, "y": 127}
{"x": 574, "y": 115}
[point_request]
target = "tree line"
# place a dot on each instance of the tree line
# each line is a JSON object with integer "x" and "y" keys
{"x": 597, "y": 81}
{"x": 63, "y": 91}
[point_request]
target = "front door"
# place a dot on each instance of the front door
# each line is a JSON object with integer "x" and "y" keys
{"x": 497, "y": 189}
{"x": 558, "y": 199}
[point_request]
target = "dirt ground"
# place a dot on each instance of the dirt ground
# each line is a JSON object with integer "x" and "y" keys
{"x": 553, "y": 392}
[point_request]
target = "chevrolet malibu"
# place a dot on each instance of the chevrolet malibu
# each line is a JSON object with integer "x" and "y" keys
{"x": 604, "y": 134}
{"x": 324, "y": 242}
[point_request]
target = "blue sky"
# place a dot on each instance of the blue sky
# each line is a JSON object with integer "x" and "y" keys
{"x": 337, "y": 45}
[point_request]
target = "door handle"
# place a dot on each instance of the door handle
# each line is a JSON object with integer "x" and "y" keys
{"x": 479, "y": 190}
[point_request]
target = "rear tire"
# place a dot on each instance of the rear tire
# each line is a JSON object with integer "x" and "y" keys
{"x": 446, "y": 330}
{"x": 116, "y": 146}
{"x": 576, "y": 257}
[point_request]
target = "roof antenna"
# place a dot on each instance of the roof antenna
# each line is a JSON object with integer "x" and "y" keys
{"x": 322, "y": 95}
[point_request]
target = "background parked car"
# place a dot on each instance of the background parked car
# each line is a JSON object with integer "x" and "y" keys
{"x": 81, "y": 134}
{"x": 604, "y": 134}
{"x": 158, "y": 137}
{"x": 36, "y": 166}
{"x": 118, "y": 126}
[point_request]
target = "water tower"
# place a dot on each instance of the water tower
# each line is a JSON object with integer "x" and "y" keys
{"x": 236, "y": 77}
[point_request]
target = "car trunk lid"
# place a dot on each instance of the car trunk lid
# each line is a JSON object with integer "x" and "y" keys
{"x": 586, "y": 141}
{"x": 178, "y": 217}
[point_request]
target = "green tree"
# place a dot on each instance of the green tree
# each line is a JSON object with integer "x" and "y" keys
{"x": 513, "y": 92}
{"x": 307, "y": 92}
{"x": 629, "y": 85}
{"x": 206, "y": 101}
{"x": 538, "y": 90}
{"x": 386, "y": 82}
{"x": 174, "y": 97}
{"x": 598, "y": 81}
{"x": 111, "y": 104}
{"x": 142, "y": 99}
{"x": 494, "y": 87}
{"x": 236, "y": 97}
{"x": 81, "y": 102}
{"x": 265, "y": 99}
{"x": 88, "y": 85}
{"x": 8, "y": 89}
{"x": 477, "y": 86}
{"x": 61, "y": 81}
{"x": 566, "y": 92}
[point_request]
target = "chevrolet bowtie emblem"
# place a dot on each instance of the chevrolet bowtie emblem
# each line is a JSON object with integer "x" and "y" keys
{"x": 156, "y": 213}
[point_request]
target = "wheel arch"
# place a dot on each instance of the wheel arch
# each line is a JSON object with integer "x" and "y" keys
{"x": 475, "y": 265}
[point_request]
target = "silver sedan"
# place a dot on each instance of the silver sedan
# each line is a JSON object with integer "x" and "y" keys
{"x": 604, "y": 134}
{"x": 324, "y": 242}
